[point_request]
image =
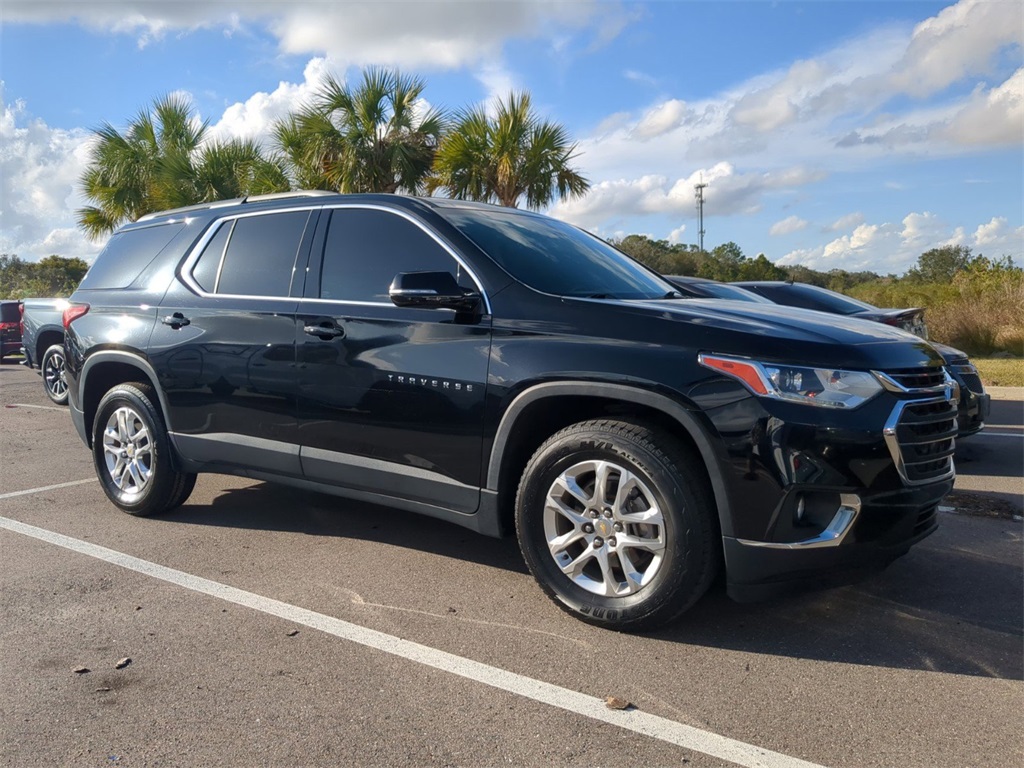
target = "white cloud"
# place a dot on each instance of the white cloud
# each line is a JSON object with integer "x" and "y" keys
{"x": 846, "y": 222}
{"x": 610, "y": 202}
{"x": 889, "y": 247}
{"x": 661, "y": 119}
{"x": 961, "y": 41}
{"x": 998, "y": 238}
{"x": 39, "y": 171}
{"x": 787, "y": 226}
{"x": 440, "y": 33}
{"x": 254, "y": 118}
{"x": 676, "y": 235}
{"x": 995, "y": 117}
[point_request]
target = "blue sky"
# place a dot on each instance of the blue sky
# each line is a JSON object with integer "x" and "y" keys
{"x": 849, "y": 135}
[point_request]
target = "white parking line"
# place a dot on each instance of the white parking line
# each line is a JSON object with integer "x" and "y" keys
{"x": 40, "y": 407}
{"x": 30, "y": 491}
{"x": 656, "y": 727}
{"x": 999, "y": 434}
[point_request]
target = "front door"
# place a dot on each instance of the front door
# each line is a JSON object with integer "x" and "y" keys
{"x": 390, "y": 400}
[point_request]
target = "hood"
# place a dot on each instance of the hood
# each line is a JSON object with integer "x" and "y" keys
{"x": 777, "y": 321}
{"x": 789, "y": 334}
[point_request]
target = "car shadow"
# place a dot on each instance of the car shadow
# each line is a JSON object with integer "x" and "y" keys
{"x": 944, "y": 607}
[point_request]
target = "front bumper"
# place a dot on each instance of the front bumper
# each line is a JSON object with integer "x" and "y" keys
{"x": 825, "y": 496}
{"x": 884, "y": 527}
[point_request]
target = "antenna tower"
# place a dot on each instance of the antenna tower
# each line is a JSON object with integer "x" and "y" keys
{"x": 699, "y": 194}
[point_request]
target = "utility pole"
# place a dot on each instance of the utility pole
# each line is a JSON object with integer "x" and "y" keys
{"x": 699, "y": 189}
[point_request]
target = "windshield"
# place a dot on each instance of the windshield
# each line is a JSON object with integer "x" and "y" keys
{"x": 813, "y": 297}
{"x": 734, "y": 292}
{"x": 554, "y": 257}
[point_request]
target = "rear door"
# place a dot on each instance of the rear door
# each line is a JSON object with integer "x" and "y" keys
{"x": 224, "y": 343}
{"x": 390, "y": 399}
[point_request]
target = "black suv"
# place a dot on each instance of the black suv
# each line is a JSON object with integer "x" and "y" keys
{"x": 10, "y": 328}
{"x": 503, "y": 370}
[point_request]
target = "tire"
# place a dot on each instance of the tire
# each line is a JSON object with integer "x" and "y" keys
{"x": 572, "y": 536}
{"x": 52, "y": 367}
{"x": 132, "y": 454}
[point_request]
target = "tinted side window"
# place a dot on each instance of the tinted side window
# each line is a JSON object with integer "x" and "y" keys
{"x": 9, "y": 312}
{"x": 208, "y": 267}
{"x": 127, "y": 254}
{"x": 366, "y": 248}
{"x": 261, "y": 254}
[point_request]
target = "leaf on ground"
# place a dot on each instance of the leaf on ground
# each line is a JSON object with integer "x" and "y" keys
{"x": 122, "y": 663}
{"x": 81, "y": 670}
{"x": 293, "y": 633}
{"x": 614, "y": 702}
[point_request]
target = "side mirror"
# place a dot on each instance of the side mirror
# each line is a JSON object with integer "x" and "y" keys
{"x": 431, "y": 290}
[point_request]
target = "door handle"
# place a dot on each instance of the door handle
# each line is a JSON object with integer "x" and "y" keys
{"x": 325, "y": 332}
{"x": 176, "y": 321}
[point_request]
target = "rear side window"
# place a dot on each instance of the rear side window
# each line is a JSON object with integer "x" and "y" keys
{"x": 207, "y": 269}
{"x": 366, "y": 248}
{"x": 260, "y": 254}
{"x": 9, "y": 312}
{"x": 127, "y": 254}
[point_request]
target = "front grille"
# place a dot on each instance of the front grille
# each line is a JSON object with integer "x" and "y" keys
{"x": 917, "y": 378}
{"x": 920, "y": 435}
{"x": 969, "y": 374}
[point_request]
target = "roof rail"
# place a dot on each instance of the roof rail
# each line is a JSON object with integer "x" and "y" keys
{"x": 286, "y": 195}
{"x": 238, "y": 201}
{"x": 188, "y": 208}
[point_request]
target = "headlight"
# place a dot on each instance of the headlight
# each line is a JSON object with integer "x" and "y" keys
{"x": 826, "y": 387}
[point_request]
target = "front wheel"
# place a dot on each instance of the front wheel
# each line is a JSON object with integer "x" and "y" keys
{"x": 54, "y": 381}
{"x": 132, "y": 454}
{"x": 616, "y": 523}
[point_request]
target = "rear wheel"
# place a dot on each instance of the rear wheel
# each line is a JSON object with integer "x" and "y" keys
{"x": 54, "y": 381}
{"x": 132, "y": 454}
{"x": 616, "y": 523}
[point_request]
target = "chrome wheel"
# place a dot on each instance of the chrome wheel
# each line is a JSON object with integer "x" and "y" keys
{"x": 128, "y": 451}
{"x": 54, "y": 376}
{"x": 604, "y": 528}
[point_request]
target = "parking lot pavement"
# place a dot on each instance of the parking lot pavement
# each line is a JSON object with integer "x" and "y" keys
{"x": 920, "y": 666}
{"x": 991, "y": 463}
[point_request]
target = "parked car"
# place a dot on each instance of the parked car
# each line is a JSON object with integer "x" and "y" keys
{"x": 974, "y": 403}
{"x": 505, "y": 371}
{"x": 823, "y": 300}
{"x": 10, "y": 328}
{"x": 43, "y": 344}
{"x": 702, "y": 288}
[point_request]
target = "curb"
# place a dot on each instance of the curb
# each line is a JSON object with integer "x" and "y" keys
{"x": 1006, "y": 393}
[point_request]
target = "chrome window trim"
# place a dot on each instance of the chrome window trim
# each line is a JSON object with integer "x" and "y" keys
{"x": 185, "y": 270}
{"x": 423, "y": 227}
{"x": 833, "y": 534}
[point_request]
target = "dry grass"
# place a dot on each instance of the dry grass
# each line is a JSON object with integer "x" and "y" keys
{"x": 1001, "y": 372}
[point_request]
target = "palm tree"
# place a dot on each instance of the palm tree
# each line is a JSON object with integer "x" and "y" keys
{"x": 163, "y": 160}
{"x": 507, "y": 158}
{"x": 376, "y": 137}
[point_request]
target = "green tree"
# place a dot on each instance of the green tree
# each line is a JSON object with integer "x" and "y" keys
{"x": 376, "y": 137}
{"x": 760, "y": 269}
{"x": 52, "y": 276}
{"x": 163, "y": 160}
{"x": 511, "y": 158}
{"x": 940, "y": 265}
{"x": 724, "y": 263}
{"x": 660, "y": 255}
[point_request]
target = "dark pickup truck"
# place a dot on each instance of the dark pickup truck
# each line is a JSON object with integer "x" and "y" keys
{"x": 42, "y": 344}
{"x": 505, "y": 371}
